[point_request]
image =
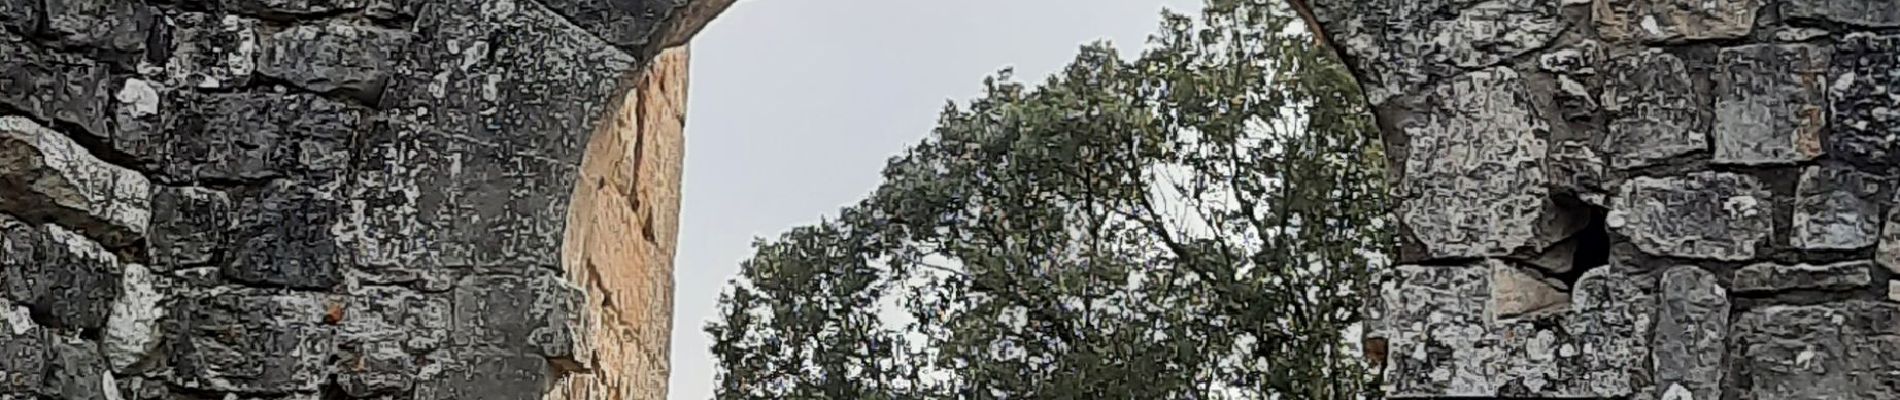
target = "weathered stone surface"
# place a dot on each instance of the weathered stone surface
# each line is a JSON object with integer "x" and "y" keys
{"x": 75, "y": 371}
{"x": 23, "y": 348}
{"x": 545, "y": 323}
{"x": 20, "y": 16}
{"x": 1863, "y": 73}
{"x": 1825, "y": 351}
{"x": 1770, "y": 277}
{"x": 1444, "y": 342}
{"x": 212, "y": 51}
{"x": 1770, "y": 103}
{"x": 49, "y": 176}
{"x": 287, "y": 238}
{"x": 249, "y": 136}
{"x": 385, "y": 331}
{"x": 57, "y": 273}
{"x": 1867, "y": 13}
{"x": 625, "y": 23}
{"x": 1474, "y": 175}
{"x": 1656, "y": 110}
{"x": 251, "y": 341}
{"x": 1691, "y": 329}
{"x": 115, "y": 26}
{"x": 293, "y": 8}
{"x": 1893, "y": 290}
{"x": 132, "y": 329}
{"x": 189, "y": 226}
{"x": 1575, "y": 168}
{"x": 339, "y": 57}
{"x": 1665, "y": 21}
{"x": 1838, "y": 208}
{"x": 54, "y": 86}
{"x": 1401, "y": 45}
{"x": 1515, "y": 292}
{"x": 1709, "y": 215}
{"x": 485, "y": 376}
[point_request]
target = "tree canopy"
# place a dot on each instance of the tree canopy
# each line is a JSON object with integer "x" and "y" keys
{"x": 1193, "y": 223}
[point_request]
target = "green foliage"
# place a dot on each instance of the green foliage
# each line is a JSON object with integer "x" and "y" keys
{"x": 1194, "y": 223}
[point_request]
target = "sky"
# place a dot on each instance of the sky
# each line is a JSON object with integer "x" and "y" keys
{"x": 794, "y": 105}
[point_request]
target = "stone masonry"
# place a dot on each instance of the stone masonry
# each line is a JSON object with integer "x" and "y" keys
{"x": 330, "y": 199}
{"x": 1635, "y": 199}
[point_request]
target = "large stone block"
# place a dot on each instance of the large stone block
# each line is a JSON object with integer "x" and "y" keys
{"x": 626, "y": 23}
{"x": 23, "y": 349}
{"x": 1657, "y": 112}
{"x": 251, "y": 341}
{"x": 1691, "y": 331}
{"x": 119, "y": 28}
{"x": 488, "y": 376}
{"x": 1838, "y": 208}
{"x": 1708, "y": 215}
{"x": 57, "y": 273}
{"x": 1771, "y": 277}
{"x": 1473, "y": 174}
{"x": 248, "y": 136}
{"x": 55, "y": 86}
{"x": 1665, "y": 21}
{"x": 385, "y": 333}
{"x": 1864, "y": 72}
{"x": 286, "y": 237}
{"x": 212, "y": 51}
{"x": 190, "y": 226}
{"x": 1401, "y": 45}
{"x": 132, "y": 331}
{"x": 1771, "y": 103}
{"x": 1445, "y": 340}
{"x": 353, "y": 60}
{"x": 1846, "y": 350}
{"x": 48, "y": 176}
{"x": 285, "y": 9}
{"x": 520, "y": 315}
{"x": 434, "y": 202}
{"x": 1866, "y": 13}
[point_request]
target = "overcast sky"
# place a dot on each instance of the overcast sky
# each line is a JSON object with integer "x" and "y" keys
{"x": 794, "y": 105}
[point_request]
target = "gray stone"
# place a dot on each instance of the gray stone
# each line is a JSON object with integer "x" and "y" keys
{"x": 1863, "y": 73}
{"x": 249, "y": 137}
{"x": 334, "y": 57}
{"x": 115, "y": 26}
{"x": 1824, "y": 351}
{"x": 497, "y": 209}
{"x": 286, "y": 237}
{"x": 548, "y": 323}
{"x": 1444, "y": 343}
{"x": 49, "y": 176}
{"x": 1574, "y": 167}
{"x": 132, "y": 329}
{"x": 57, "y": 273}
{"x": 1515, "y": 292}
{"x": 1473, "y": 174}
{"x": 75, "y": 371}
{"x": 1656, "y": 111}
{"x": 1580, "y": 59}
{"x": 23, "y": 349}
{"x": 625, "y": 23}
{"x": 55, "y": 87}
{"x": 1708, "y": 215}
{"x": 1771, "y": 277}
{"x": 384, "y": 332}
{"x": 376, "y": 368}
{"x": 1665, "y": 21}
{"x": 1866, "y": 13}
{"x": 251, "y": 341}
{"x": 1771, "y": 103}
{"x": 485, "y": 376}
{"x": 189, "y": 227}
{"x": 564, "y": 337}
{"x": 1401, "y": 45}
{"x": 293, "y": 8}
{"x": 1893, "y": 290}
{"x": 1691, "y": 329}
{"x": 1838, "y": 208}
{"x": 21, "y": 16}
{"x": 212, "y": 51}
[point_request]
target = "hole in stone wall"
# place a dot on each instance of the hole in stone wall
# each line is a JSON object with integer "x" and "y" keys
{"x": 1592, "y": 244}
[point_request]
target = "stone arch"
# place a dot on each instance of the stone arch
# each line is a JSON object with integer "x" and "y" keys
{"x": 339, "y": 198}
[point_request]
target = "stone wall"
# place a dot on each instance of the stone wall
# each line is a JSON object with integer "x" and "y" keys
{"x": 1675, "y": 199}
{"x": 304, "y": 199}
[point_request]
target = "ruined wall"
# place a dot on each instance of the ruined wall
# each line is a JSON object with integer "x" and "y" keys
{"x": 308, "y": 199}
{"x": 1676, "y": 199}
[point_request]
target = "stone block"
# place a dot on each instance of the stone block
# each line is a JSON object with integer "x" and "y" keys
{"x": 417, "y": 323}
{"x": 521, "y": 315}
{"x": 252, "y": 341}
{"x": 448, "y": 202}
{"x": 23, "y": 349}
{"x": 1656, "y": 110}
{"x": 20, "y": 16}
{"x": 1772, "y": 277}
{"x": 285, "y": 9}
{"x": 1444, "y": 341}
{"x": 1838, "y": 208}
{"x": 488, "y": 376}
{"x": 132, "y": 331}
{"x": 1707, "y": 215}
{"x": 287, "y": 237}
{"x": 1691, "y": 331}
{"x": 1771, "y": 103}
{"x": 1864, "y": 71}
{"x": 54, "y": 86}
{"x": 1825, "y": 351}
{"x": 189, "y": 227}
{"x": 76, "y": 371}
{"x": 629, "y": 24}
{"x": 353, "y": 60}
{"x": 1863, "y": 13}
{"x": 120, "y": 28}
{"x": 49, "y": 176}
{"x": 1515, "y": 292}
{"x": 1401, "y": 45}
{"x": 376, "y": 368}
{"x": 212, "y": 51}
{"x": 249, "y": 137}
{"x": 1666, "y": 21}
{"x": 69, "y": 279}
{"x": 1474, "y": 172}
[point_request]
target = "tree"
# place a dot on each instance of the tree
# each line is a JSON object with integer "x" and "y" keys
{"x": 1194, "y": 223}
